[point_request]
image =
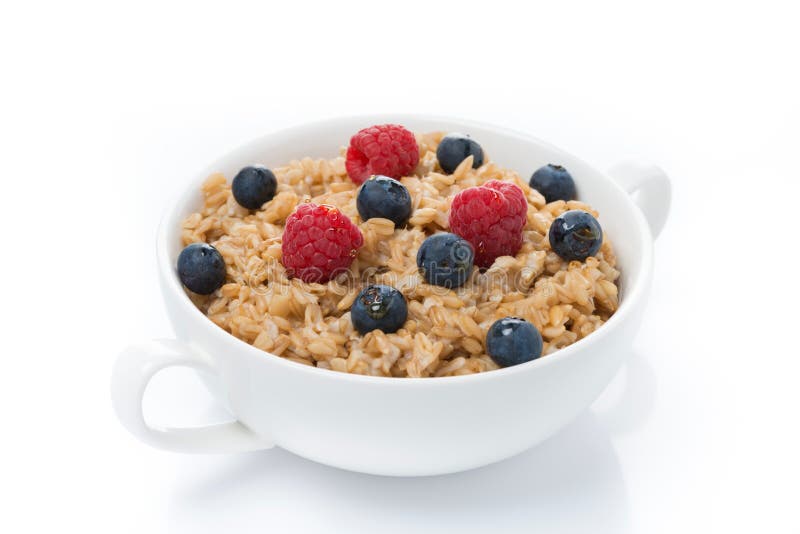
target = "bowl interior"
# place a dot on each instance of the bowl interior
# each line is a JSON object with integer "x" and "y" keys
{"x": 622, "y": 222}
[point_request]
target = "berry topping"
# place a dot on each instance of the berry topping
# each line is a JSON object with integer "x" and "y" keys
{"x": 387, "y": 149}
{"x": 512, "y": 341}
{"x": 445, "y": 260}
{"x": 253, "y": 186}
{"x": 379, "y": 307}
{"x": 384, "y": 197}
{"x": 491, "y": 217}
{"x": 455, "y": 148}
{"x": 575, "y": 235}
{"x": 201, "y": 268}
{"x": 319, "y": 242}
{"x": 554, "y": 182}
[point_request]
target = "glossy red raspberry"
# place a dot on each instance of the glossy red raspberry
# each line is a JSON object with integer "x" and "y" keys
{"x": 491, "y": 217}
{"x": 384, "y": 149}
{"x": 319, "y": 242}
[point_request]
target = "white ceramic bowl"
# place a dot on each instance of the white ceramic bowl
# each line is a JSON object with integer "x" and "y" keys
{"x": 396, "y": 426}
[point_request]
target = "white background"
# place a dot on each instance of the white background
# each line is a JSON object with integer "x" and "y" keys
{"x": 108, "y": 108}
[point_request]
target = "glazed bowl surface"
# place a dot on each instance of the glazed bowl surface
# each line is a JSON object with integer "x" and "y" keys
{"x": 396, "y": 426}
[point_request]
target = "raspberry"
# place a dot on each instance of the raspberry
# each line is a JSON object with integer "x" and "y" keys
{"x": 387, "y": 149}
{"x": 319, "y": 242}
{"x": 491, "y": 217}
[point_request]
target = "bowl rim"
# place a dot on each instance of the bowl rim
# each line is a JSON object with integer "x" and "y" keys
{"x": 171, "y": 287}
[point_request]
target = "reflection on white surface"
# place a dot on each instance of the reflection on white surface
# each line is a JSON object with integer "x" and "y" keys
{"x": 572, "y": 482}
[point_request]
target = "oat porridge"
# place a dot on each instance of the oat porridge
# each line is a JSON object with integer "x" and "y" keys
{"x": 404, "y": 256}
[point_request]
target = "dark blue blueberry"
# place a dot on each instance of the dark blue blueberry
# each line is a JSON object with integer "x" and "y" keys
{"x": 253, "y": 186}
{"x": 386, "y": 198}
{"x": 379, "y": 307}
{"x": 575, "y": 235}
{"x": 554, "y": 182}
{"x": 201, "y": 268}
{"x": 455, "y": 148}
{"x": 512, "y": 341}
{"x": 445, "y": 260}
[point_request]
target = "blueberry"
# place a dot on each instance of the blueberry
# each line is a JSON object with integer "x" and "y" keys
{"x": 253, "y": 186}
{"x": 455, "y": 148}
{"x": 512, "y": 341}
{"x": 445, "y": 260}
{"x": 554, "y": 182}
{"x": 384, "y": 197}
{"x": 201, "y": 268}
{"x": 575, "y": 235}
{"x": 379, "y": 307}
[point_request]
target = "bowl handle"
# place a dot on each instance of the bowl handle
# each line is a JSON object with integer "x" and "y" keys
{"x": 651, "y": 189}
{"x": 133, "y": 370}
